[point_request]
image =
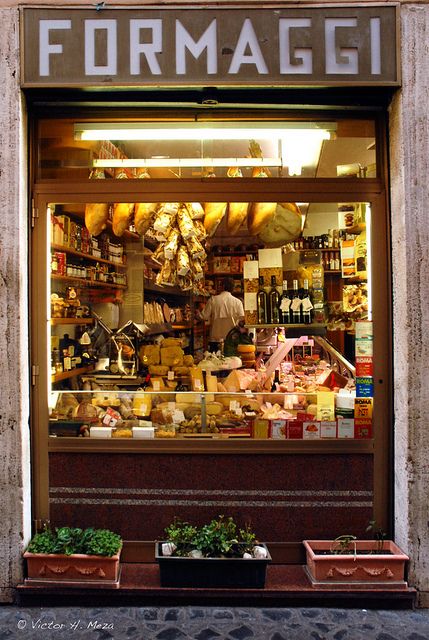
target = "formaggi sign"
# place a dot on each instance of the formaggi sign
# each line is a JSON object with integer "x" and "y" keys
{"x": 222, "y": 46}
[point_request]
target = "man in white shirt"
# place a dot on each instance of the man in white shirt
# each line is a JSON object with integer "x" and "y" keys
{"x": 223, "y": 312}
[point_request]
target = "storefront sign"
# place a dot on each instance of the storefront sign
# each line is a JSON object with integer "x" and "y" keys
{"x": 200, "y": 46}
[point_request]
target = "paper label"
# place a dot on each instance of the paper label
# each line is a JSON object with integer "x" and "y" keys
{"x": 178, "y": 416}
{"x": 296, "y": 304}
{"x": 306, "y": 304}
{"x": 325, "y": 405}
{"x": 170, "y": 375}
{"x": 364, "y": 330}
{"x": 364, "y": 347}
{"x": 285, "y": 304}
{"x": 156, "y": 385}
{"x": 250, "y": 301}
{"x": 250, "y": 269}
{"x": 363, "y": 408}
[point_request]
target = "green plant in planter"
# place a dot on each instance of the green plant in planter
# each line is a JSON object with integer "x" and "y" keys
{"x": 220, "y": 538}
{"x": 72, "y": 540}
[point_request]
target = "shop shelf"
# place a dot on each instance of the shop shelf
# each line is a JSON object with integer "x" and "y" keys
{"x": 87, "y": 283}
{"x": 72, "y": 320}
{"x": 57, "y": 377}
{"x": 86, "y": 256}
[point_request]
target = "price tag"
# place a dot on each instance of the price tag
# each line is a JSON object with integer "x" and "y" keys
{"x": 170, "y": 375}
{"x": 234, "y": 405}
{"x": 197, "y": 384}
{"x": 178, "y": 416}
{"x": 171, "y": 406}
{"x": 156, "y": 385}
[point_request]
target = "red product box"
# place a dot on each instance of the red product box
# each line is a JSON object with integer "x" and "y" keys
{"x": 364, "y": 366}
{"x": 295, "y": 430}
{"x": 363, "y": 429}
{"x": 304, "y": 417}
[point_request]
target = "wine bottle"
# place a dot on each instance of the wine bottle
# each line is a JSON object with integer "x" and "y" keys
{"x": 274, "y": 302}
{"x": 306, "y": 305}
{"x": 276, "y": 381}
{"x": 262, "y": 303}
{"x": 295, "y": 304}
{"x": 285, "y": 305}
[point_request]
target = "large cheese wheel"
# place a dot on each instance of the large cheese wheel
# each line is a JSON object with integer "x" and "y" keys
{"x": 285, "y": 225}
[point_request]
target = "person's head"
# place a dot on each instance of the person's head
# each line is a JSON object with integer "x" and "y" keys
{"x": 228, "y": 285}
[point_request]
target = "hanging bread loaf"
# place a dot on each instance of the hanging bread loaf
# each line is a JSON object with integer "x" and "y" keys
{"x": 122, "y": 213}
{"x": 285, "y": 225}
{"x": 143, "y": 216}
{"x": 213, "y": 215}
{"x": 96, "y": 216}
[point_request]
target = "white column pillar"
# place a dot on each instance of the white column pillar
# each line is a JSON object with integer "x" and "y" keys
{"x": 15, "y": 495}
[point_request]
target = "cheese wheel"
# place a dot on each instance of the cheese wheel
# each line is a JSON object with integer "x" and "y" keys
{"x": 284, "y": 226}
{"x": 246, "y": 348}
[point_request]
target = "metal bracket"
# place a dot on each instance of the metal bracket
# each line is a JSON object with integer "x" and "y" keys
{"x": 35, "y": 371}
{"x": 34, "y": 213}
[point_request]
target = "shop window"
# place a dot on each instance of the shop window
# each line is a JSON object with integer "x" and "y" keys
{"x": 197, "y": 148}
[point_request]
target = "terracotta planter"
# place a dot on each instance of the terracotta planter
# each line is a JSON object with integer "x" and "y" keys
{"x": 357, "y": 571}
{"x": 72, "y": 571}
{"x": 230, "y": 573}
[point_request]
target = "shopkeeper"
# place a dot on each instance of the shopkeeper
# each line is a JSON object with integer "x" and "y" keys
{"x": 222, "y": 312}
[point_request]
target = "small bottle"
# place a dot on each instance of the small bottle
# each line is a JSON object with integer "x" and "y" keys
{"x": 331, "y": 261}
{"x": 261, "y": 300}
{"x": 306, "y": 304}
{"x": 295, "y": 306}
{"x": 285, "y": 305}
{"x": 337, "y": 261}
{"x": 274, "y": 302}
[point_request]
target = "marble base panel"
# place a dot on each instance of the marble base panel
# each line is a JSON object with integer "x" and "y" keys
{"x": 283, "y": 497}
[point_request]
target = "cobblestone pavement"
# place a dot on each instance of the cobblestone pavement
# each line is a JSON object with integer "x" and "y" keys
{"x": 211, "y": 623}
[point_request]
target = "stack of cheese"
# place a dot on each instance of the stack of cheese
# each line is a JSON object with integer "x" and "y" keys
{"x": 246, "y": 353}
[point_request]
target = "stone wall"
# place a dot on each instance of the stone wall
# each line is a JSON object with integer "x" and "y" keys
{"x": 409, "y": 156}
{"x": 15, "y": 497}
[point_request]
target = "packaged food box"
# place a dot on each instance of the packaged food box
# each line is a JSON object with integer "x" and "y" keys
{"x": 363, "y": 429}
{"x": 100, "y": 432}
{"x": 328, "y": 429}
{"x": 346, "y": 428}
{"x": 260, "y": 428}
{"x": 278, "y": 429}
{"x": 143, "y": 432}
{"x": 295, "y": 430}
{"x": 311, "y": 430}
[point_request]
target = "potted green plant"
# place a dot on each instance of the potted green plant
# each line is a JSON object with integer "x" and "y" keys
{"x": 217, "y": 554}
{"x": 359, "y": 564}
{"x": 74, "y": 557}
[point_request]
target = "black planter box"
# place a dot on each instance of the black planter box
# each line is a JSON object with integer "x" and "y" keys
{"x": 229, "y": 573}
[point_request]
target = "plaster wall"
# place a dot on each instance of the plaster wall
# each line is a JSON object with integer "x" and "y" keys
{"x": 409, "y": 156}
{"x": 15, "y": 496}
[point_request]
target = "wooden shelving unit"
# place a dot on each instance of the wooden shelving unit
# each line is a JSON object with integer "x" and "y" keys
{"x": 86, "y": 256}
{"x": 77, "y": 321}
{"x": 65, "y": 375}
{"x": 83, "y": 282}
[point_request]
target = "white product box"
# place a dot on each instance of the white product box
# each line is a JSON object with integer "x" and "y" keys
{"x": 311, "y": 430}
{"x": 100, "y": 432}
{"x": 328, "y": 429}
{"x": 143, "y": 432}
{"x": 346, "y": 428}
